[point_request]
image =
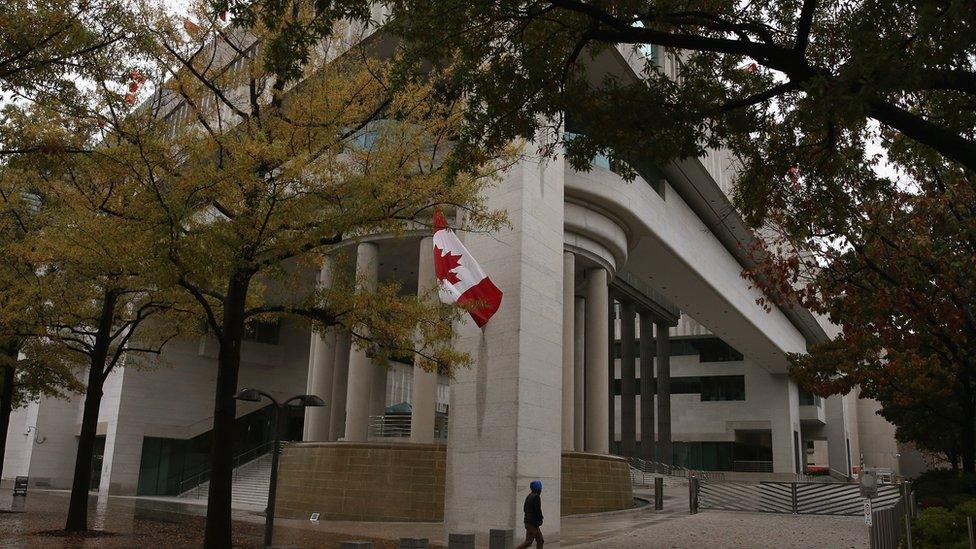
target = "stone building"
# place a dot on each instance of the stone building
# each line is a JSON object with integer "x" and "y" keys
{"x": 626, "y": 328}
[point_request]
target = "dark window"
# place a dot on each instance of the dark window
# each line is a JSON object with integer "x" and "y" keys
{"x": 708, "y": 349}
{"x": 715, "y": 350}
{"x": 263, "y": 331}
{"x": 685, "y": 385}
{"x": 808, "y": 399}
{"x": 711, "y": 388}
{"x": 717, "y": 388}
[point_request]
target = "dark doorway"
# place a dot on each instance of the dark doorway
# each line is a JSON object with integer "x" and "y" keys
{"x": 98, "y": 458}
{"x": 796, "y": 451}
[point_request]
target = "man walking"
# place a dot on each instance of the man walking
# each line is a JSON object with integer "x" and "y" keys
{"x": 533, "y": 516}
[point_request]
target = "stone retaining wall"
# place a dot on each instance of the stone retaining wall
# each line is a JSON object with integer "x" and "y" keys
{"x": 594, "y": 483}
{"x": 404, "y": 482}
{"x": 362, "y": 481}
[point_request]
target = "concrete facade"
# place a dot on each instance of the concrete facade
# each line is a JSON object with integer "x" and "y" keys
{"x": 505, "y": 413}
{"x": 583, "y": 248}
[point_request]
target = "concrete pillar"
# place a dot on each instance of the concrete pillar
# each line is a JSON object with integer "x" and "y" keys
{"x": 505, "y": 419}
{"x": 377, "y": 390}
{"x": 569, "y": 354}
{"x": 597, "y": 435}
{"x": 628, "y": 381}
{"x": 361, "y": 367}
{"x": 663, "y": 393}
{"x": 784, "y": 407}
{"x": 611, "y": 371}
{"x": 579, "y": 385}
{"x": 321, "y": 358}
{"x": 424, "y": 390}
{"x": 837, "y": 435}
{"x": 647, "y": 385}
{"x": 122, "y": 453}
{"x": 340, "y": 374}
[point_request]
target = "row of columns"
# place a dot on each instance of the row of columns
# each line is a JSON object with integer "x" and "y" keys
{"x": 652, "y": 333}
{"x": 588, "y": 373}
{"x": 347, "y": 374}
{"x": 358, "y": 387}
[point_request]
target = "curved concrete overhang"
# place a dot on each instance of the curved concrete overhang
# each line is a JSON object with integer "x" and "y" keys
{"x": 595, "y": 234}
{"x": 676, "y": 253}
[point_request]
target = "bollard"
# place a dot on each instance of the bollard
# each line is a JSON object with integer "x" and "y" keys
{"x": 460, "y": 541}
{"x": 906, "y": 498}
{"x": 356, "y": 545}
{"x": 693, "y": 495}
{"x": 501, "y": 539}
{"x": 658, "y": 493}
{"x": 972, "y": 538}
{"x": 413, "y": 543}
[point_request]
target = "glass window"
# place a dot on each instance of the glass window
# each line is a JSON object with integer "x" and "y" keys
{"x": 708, "y": 349}
{"x": 808, "y": 399}
{"x": 723, "y": 388}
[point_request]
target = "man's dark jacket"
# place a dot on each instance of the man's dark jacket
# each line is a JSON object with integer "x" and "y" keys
{"x": 533, "y": 509}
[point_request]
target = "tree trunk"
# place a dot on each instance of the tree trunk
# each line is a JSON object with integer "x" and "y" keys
{"x": 6, "y": 405}
{"x": 968, "y": 437}
{"x": 78, "y": 505}
{"x": 218, "y": 529}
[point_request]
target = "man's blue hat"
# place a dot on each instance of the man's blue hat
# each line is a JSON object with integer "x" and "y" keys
{"x": 536, "y": 485}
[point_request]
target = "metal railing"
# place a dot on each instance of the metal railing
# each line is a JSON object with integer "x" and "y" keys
{"x": 890, "y": 525}
{"x": 752, "y": 466}
{"x": 802, "y": 498}
{"x": 194, "y": 481}
{"x": 398, "y": 426}
{"x": 640, "y": 468}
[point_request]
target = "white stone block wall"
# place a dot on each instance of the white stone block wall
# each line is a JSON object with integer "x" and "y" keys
{"x": 20, "y": 441}
{"x": 505, "y": 427}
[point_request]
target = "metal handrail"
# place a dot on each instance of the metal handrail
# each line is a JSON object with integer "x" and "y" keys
{"x": 656, "y": 467}
{"x": 240, "y": 459}
{"x": 399, "y": 426}
{"x": 752, "y": 466}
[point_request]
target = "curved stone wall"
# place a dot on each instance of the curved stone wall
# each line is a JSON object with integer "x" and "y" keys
{"x": 362, "y": 481}
{"x": 594, "y": 483}
{"x": 404, "y": 482}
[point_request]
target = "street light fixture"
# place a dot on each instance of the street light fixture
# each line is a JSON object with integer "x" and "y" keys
{"x": 254, "y": 395}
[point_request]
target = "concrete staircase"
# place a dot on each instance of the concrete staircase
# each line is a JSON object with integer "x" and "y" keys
{"x": 251, "y": 484}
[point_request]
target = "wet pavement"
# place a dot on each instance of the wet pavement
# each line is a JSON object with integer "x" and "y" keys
{"x": 170, "y": 522}
{"x": 128, "y": 522}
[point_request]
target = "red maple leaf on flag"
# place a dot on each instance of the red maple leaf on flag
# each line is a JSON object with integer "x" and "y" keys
{"x": 444, "y": 265}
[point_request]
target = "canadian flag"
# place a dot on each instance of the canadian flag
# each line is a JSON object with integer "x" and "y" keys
{"x": 461, "y": 279}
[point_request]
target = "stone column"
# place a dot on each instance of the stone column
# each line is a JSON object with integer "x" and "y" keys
{"x": 569, "y": 354}
{"x": 663, "y": 393}
{"x": 424, "y": 390}
{"x": 505, "y": 419}
{"x": 361, "y": 367}
{"x": 377, "y": 390}
{"x": 837, "y": 435}
{"x": 340, "y": 374}
{"x": 628, "y": 381}
{"x": 784, "y": 406}
{"x": 611, "y": 372}
{"x": 647, "y": 386}
{"x": 596, "y": 408}
{"x": 320, "y": 373}
{"x": 579, "y": 420}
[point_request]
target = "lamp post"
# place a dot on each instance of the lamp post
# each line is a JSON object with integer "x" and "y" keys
{"x": 254, "y": 395}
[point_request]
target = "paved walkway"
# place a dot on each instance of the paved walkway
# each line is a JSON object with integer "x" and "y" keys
{"x": 146, "y": 522}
